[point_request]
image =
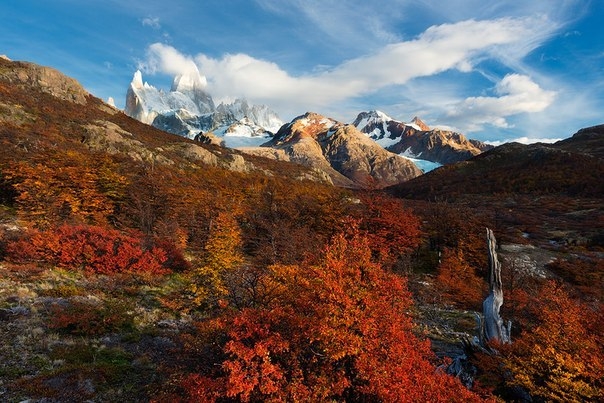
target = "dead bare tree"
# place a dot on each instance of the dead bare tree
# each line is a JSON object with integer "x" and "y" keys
{"x": 492, "y": 327}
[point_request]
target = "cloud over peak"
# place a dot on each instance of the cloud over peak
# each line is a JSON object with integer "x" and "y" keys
{"x": 440, "y": 48}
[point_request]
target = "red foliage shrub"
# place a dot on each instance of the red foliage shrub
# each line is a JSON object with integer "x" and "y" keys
{"x": 175, "y": 258}
{"x": 93, "y": 249}
{"x": 81, "y": 317}
{"x": 586, "y": 273}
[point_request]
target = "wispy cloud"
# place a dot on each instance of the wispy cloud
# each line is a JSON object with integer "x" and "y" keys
{"x": 152, "y": 22}
{"x": 351, "y": 24}
{"x": 438, "y": 49}
{"x": 525, "y": 140}
{"x": 165, "y": 59}
{"x": 516, "y": 94}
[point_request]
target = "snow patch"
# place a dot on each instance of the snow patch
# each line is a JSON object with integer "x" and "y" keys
{"x": 243, "y": 141}
{"x": 407, "y": 153}
{"x": 330, "y": 133}
{"x": 387, "y": 141}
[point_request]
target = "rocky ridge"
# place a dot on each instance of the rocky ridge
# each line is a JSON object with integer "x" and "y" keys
{"x": 350, "y": 158}
{"x": 417, "y": 140}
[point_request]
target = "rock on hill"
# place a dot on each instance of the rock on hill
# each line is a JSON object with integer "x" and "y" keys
{"x": 45, "y": 79}
{"x": 348, "y": 156}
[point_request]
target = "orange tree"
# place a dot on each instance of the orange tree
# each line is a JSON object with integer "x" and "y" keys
{"x": 392, "y": 230}
{"x": 337, "y": 330}
{"x": 458, "y": 282}
{"x": 559, "y": 356}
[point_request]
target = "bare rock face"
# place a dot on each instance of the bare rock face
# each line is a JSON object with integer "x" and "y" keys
{"x": 46, "y": 79}
{"x": 359, "y": 158}
{"x": 348, "y": 156}
{"x": 419, "y": 123}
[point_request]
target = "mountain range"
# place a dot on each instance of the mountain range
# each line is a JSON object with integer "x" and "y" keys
{"x": 350, "y": 158}
{"x": 42, "y": 110}
{"x": 335, "y": 152}
{"x": 189, "y": 110}
{"x": 416, "y": 140}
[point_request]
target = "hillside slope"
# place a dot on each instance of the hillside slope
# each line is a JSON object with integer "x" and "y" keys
{"x": 568, "y": 168}
{"x": 42, "y": 111}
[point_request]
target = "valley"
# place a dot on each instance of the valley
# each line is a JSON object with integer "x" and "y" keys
{"x": 142, "y": 265}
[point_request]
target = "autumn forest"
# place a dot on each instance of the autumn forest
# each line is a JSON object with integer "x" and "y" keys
{"x": 136, "y": 265}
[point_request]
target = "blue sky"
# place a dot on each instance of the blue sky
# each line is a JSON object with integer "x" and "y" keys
{"x": 494, "y": 70}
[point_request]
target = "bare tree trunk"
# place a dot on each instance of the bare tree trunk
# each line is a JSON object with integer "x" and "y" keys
{"x": 492, "y": 327}
{"x": 490, "y": 324}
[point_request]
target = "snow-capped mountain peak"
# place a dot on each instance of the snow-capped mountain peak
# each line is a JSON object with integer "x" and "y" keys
{"x": 415, "y": 139}
{"x": 371, "y": 118}
{"x": 374, "y": 124}
{"x": 190, "y": 81}
{"x": 188, "y": 110}
{"x": 308, "y": 125}
{"x": 137, "y": 80}
{"x": 418, "y": 124}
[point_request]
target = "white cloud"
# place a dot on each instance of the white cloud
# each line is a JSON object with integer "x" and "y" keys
{"x": 152, "y": 22}
{"x": 438, "y": 49}
{"x": 165, "y": 59}
{"x": 517, "y": 94}
{"x": 524, "y": 140}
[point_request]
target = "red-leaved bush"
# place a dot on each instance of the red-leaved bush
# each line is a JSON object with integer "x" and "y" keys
{"x": 89, "y": 248}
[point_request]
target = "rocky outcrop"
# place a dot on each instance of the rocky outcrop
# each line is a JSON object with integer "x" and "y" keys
{"x": 349, "y": 157}
{"x": 209, "y": 138}
{"x": 46, "y": 79}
